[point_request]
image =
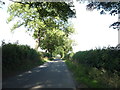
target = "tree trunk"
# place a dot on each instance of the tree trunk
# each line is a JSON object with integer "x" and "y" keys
{"x": 38, "y": 41}
{"x": 36, "y": 46}
{"x": 50, "y": 54}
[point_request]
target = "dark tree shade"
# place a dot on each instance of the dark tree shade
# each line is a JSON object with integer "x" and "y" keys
{"x": 61, "y": 9}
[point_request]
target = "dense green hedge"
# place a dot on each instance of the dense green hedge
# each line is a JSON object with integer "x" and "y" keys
{"x": 17, "y": 57}
{"x": 91, "y": 77}
{"x": 107, "y": 59}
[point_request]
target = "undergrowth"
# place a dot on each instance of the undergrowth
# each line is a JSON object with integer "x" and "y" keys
{"x": 93, "y": 77}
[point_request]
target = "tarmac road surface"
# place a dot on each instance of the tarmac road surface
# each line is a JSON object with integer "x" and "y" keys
{"x": 54, "y": 74}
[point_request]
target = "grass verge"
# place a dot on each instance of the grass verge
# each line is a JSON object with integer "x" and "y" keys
{"x": 92, "y": 77}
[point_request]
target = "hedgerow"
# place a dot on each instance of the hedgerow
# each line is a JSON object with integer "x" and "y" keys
{"x": 18, "y": 57}
{"x": 98, "y": 68}
{"x": 108, "y": 59}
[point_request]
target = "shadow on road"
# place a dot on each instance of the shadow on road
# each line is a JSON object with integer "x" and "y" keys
{"x": 50, "y": 75}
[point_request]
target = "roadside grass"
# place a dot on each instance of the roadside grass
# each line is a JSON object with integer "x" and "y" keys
{"x": 92, "y": 77}
{"x": 64, "y": 60}
{"x": 46, "y": 59}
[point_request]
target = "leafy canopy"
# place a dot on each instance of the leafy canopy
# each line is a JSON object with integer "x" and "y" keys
{"x": 47, "y": 20}
{"x": 112, "y": 7}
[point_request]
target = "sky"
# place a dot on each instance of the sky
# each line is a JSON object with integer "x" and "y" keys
{"x": 91, "y": 30}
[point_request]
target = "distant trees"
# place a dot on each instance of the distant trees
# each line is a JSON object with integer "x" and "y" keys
{"x": 47, "y": 21}
{"x": 56, "y": 41}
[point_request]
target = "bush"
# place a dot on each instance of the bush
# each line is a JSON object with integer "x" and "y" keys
{"x": 97, "y": 68}
{"x": 100, "y": 58}
{"x": 18, "y": 57}
{"x": 92, "y": 77}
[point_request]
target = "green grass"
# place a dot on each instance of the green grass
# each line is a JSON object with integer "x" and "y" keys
{"x": 92, "y": 77}
{"x": 46, "y": 59}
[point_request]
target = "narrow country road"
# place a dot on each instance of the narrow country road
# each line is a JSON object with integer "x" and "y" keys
{"x": 53, "y": 74}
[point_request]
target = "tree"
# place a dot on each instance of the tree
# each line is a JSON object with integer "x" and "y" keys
{"x": 52, "y": 40}
{"x": 112, "y": 7}
{"x": 65, "y": 48}
{"x": 29, "y": 11}
{"x": 40, "y": 16}
{"x": 56, "y": 41}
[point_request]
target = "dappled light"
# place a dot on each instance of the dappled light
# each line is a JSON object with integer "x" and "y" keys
{"x": 53, "y": 74}
{"x": 53, "y": 61}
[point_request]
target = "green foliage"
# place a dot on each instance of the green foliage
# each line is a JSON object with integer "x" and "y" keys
{"x": 56, "y": 42}
{"x": 97, "y": 68}
{"x": 18, "y": 57}
{"x": 46, "y": 54}
{"x": 69, "y": 56}
{"x": 92, "y": 77}
{"x": 48, "y": 21}
{"x": 100, "y": 58}
{"x": 45, "y": 9}
{"x": 51, "y": 58}
{"x": 112, "y": 7}
{"x": 37, "y": 15}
